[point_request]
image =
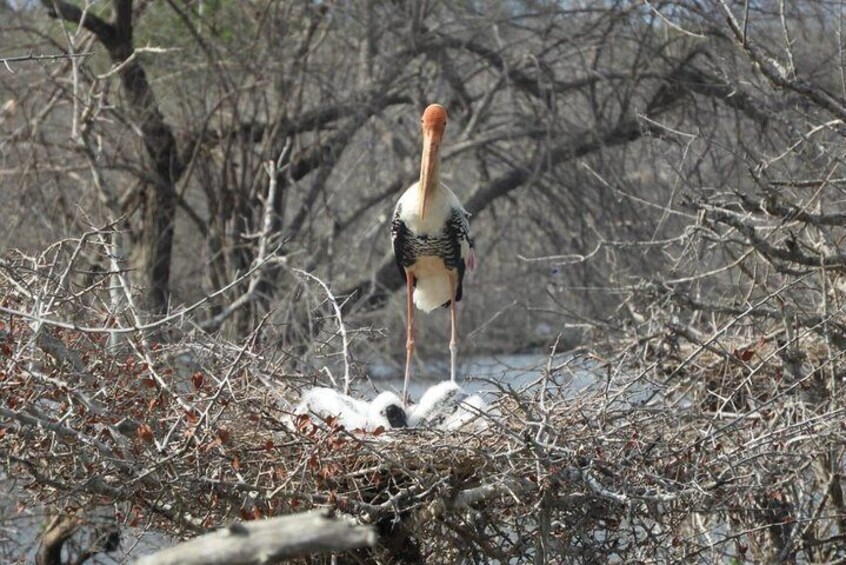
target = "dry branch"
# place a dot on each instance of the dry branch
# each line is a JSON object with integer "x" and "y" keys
{"x": 267, "y": 541}
{"x": 53, "y": 540}
{"x": 199, "y": 433}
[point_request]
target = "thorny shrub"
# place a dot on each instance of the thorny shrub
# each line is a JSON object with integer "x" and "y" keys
{"x": 676, "y": 451}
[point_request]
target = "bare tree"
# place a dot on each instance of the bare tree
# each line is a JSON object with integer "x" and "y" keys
{"x": 524, "y": 110}
{"x": 660, "y": 182}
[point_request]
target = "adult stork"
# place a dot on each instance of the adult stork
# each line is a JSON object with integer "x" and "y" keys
{"x": 430, "y": 231}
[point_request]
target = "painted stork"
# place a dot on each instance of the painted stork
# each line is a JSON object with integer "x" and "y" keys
{"x": 384, "y": 411}
{"x": 445, "y": 406}
{"x": 430, "y": 232}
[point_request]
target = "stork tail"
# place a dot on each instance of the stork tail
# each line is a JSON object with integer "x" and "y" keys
{"x": 431, "y": 292}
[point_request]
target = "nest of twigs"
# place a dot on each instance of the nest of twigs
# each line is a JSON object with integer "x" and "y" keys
{"x": 656, "y": 460}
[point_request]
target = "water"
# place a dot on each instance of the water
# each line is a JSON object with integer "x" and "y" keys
{"x": 486, "y": 374}
{"x": 21, "y": 526}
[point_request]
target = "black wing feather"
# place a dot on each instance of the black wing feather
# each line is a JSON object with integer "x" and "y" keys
{"x": 401, "y": 239}
{"x": 458, "y": 229}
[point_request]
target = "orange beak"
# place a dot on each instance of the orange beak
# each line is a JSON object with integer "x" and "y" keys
{"x": 434, "y": 124}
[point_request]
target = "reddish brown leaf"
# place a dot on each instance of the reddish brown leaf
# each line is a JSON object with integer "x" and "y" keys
{"x": 236, "y": 463}
{"x": 197, "y": 379}
{"x": 211, "y": 445}
{"x": 136, "y": 516}
{"x": 329, "y": 471}
{"x": 302, "y": 422}
{"x": 379, "y": 431}
{"x": 145, "y": 432}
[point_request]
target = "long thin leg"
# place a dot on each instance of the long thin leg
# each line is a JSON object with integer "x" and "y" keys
{"x": 453, "y": 340}
{"x": 409, "y": 335}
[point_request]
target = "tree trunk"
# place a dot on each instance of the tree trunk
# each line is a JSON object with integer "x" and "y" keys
{"x": 54, "y": 538}
{"x": 152, "y": 255}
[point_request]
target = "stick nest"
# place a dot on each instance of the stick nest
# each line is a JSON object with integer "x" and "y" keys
{"x": 668, "y": 448}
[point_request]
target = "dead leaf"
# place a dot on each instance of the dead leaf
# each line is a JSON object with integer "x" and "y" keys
{"x": 145, "y": 432}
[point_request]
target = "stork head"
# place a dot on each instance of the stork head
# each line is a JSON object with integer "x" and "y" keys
{"x": 434, "y": 123}
{"x": 387, "y": 407}
{"x": 434, "y": 119}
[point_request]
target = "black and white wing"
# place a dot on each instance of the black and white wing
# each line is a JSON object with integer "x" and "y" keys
{"x": 461, "y": 248}
{"x": 401, "y": 239}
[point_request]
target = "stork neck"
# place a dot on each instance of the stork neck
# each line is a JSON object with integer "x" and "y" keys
{"x": 429, "y": 174}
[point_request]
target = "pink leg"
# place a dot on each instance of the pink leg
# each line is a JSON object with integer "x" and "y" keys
{"x": 409, "y": 335}
{"x": 453, "y": 340}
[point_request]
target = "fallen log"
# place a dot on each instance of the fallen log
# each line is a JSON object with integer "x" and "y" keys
{"x": 266, "y": 541}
